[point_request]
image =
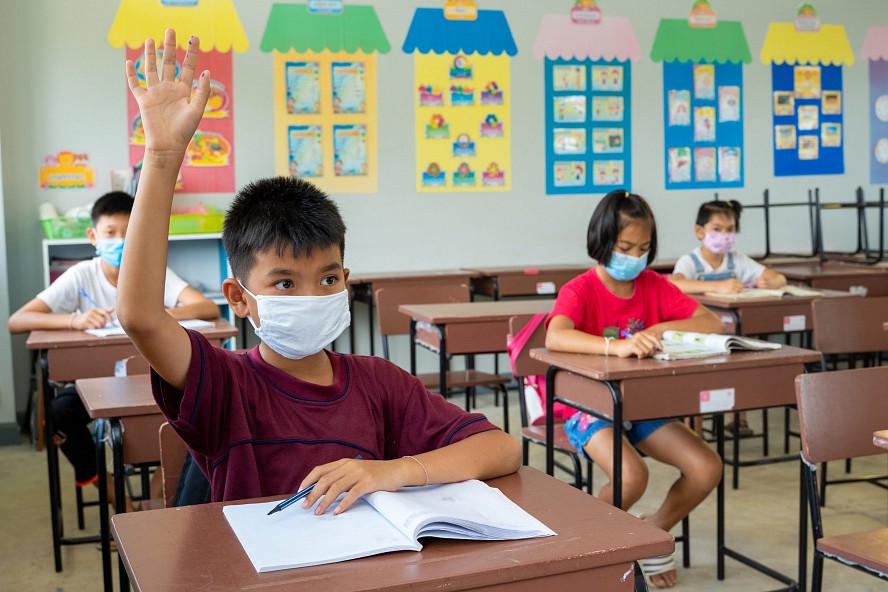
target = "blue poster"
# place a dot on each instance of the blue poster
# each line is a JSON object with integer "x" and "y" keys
{"x": 703, "y": 123}
{"x": 878, "y": 71}
{"x": 807, "y": 108}
{"x": 588, "y": 132}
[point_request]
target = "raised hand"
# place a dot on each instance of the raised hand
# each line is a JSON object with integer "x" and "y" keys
{"x": 170, "y": 114}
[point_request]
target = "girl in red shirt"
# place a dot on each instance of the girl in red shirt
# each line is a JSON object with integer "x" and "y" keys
{"x": 619, "y": 308}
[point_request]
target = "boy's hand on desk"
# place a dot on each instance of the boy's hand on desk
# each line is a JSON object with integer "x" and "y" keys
{"x": 728, "y": 286}
{"x": 95, "y": 318}
{"x": 355, "y": 476}
{"x": 169, "y": 113}
{"x": 643, "y": 345}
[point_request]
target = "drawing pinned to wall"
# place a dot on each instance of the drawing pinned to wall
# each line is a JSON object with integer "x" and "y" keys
{"x": 875, "y": 51}
{"x": 326, "y": 108}
{"x": 587, "y": 60}
{"x": 806, "y": 60}
{"x": 462, "y": 71}
{"x": 703, "y": 61}
{"x": 209, "y": 161}
{"x": 66, "y": 170}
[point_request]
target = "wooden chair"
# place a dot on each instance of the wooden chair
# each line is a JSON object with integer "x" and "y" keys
{"x": 851, "y": 328}
{"x": 536, "y": 433}
{"x": 838, "y": 413}
{"x": 172, "y": 454}
{"x": 526, "y": 366}
{"x": 392, "y": 322}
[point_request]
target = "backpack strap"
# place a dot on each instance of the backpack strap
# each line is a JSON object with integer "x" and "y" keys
{"x": 520, "y": 339}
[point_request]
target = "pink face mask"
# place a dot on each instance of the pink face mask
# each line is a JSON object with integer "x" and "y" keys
{"x": 720, "y": 242}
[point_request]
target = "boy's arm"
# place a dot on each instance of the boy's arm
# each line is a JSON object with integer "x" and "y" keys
{"x": 193, "y": 305}
{"x": 169, "y": 116}
{"x": 36, "y": 315}
{"x": 481, "y": 456}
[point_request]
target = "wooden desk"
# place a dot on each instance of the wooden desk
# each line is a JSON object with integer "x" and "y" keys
{"x": 620, "y": 389}
{"x": 880, "y": 439}
{"x": 524, "y": 281}
{"x": 362, "y": 287}
{"x": 66, "y": 356}
{"x": 762, "y": 316}
{"x": 465, "y": 328}
{"x": 836, "y": 276}
{"x": 167, "y": 550}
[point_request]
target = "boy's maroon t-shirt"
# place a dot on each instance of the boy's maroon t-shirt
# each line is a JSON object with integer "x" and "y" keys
{"x": 257, "y": 431}
{"x": 596, "y": 310}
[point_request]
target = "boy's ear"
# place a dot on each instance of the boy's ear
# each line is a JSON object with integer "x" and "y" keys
{"x": 345, "y": 272}
{"x": 91, "y": 235}
{"x": 235, "y": 296}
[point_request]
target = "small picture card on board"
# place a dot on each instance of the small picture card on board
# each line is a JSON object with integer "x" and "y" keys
{"x": 437, "y": 128}
{"x": 728, "y": 103}
{"x": 704, "y": 164}
{"x": 462, "y": 96}
{"x": 831, "y": 102}
{"x": 784, "y": 103}
{"x": 491, "y": 127}
{"x": 785, "y": 137}
{"x": 569, "y": 140}
{"x": 729, "y": 164}
{"x": 809, "y": 148}
{"x": 463, "y": 147}
{"x": 831, "y": 135}
{"x": 679, "y": 164}
{"x": 607, "y": 78}
{"x": 493, "y": 176}
{"x": 607, "y": 172}
{"x": 679, "y": 107}
{"x": 569, "y": 78}
{"x": 464, "y": 176}
{"x": 704, "y": 124}
{"x": 607, "y": 140}
{"x": 433, "y": 176}
{"x": 704, "y": 81}
{"x": 303, "y": 90}
{"x": 349, "y": 150}
{"x": 809, "y": 117}
{"x": 492, "y": 94}
{"x": 569, "y": 109}
{"x": 569, "y": 173}
{"x": 305, "y": 155}
{"x": 807, "y": 82}
{"x": 607, "y": 108}
{"x": 349, "y": 95}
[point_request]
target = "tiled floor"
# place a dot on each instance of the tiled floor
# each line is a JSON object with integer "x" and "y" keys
{"x": 762, "y": 521}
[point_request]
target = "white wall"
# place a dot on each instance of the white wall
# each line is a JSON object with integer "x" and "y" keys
{"x": 63, "y": 88}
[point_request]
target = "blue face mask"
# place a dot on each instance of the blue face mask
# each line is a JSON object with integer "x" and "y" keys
{"x": 625, "y": 268}
{"x": 110, "y": 250}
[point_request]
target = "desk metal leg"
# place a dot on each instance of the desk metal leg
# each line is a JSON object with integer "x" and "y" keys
{"x": 52, "y": 464}
{"x": 803, "y": 529}
{"x": 119, "y": 486}
{"x": 550, "y": 423}
{"x": 370, "y": 308}
{"x": 104, "y": 521}
{"x": 413, "y": 347}
{"x": 719, "y": 420}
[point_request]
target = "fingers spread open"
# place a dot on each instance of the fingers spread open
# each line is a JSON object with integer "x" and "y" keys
{"x": 150, "y": 63}
{"x": 169, "y": 56}
{"x": 190, "y": 63}
{"x": 202, "y": 92}
{"x": 132, "y": 80}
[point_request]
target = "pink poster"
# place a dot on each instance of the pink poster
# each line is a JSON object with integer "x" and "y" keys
{"x": 209, "y": 161}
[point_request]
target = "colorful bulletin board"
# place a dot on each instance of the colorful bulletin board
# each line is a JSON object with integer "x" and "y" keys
{"x": 807, "y": 102}
{"x": 702, "y": 102}
{"x": 588, "y": 102}
{"x": 325, "y": 102}
{"x": 875, "y": 49}
{"x": 463, "y": 97}
{"x": 209, "y": 161}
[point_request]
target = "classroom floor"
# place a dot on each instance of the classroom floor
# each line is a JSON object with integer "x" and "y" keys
{"x": 762, "y": 520}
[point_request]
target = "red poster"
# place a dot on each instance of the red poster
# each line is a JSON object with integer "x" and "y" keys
{"x": 209, "y": 161}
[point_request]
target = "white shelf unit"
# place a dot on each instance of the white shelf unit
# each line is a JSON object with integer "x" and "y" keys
{"x": 199, "y": 259}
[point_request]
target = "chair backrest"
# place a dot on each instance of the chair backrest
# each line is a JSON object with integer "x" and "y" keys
{"x": 850, "y": 325}
{"x": 524, "y": 364}
{"x": 388, "y": 299}
{"x": 839, "y": 411}
{"x": 172, "y": 455}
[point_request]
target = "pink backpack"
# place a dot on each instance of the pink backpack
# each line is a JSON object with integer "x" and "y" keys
{"x": 534, "y": 385}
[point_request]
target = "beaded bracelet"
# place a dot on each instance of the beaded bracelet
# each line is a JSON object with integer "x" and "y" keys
{"x": 422, "y": 467}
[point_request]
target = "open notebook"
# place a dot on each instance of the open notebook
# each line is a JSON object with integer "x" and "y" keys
{"x": 683, "y": 345}
{"x": 380, "y": 522}
{"x": 116, "y": 329}
{"x": 763, "y": 293}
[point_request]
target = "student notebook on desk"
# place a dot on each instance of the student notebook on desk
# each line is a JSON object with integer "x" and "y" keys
{"x": 764, "y": 293}
{"x": 116, "y": 329}
{"x": 379, "y": 522}
{"x": 684, "y": 345}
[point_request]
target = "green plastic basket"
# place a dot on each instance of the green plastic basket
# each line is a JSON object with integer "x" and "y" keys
{"x": 63, "y": 227}
{"x": 196, "y": 223}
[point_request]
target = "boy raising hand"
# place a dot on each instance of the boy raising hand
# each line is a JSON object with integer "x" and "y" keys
{"x": 287, "y": 413}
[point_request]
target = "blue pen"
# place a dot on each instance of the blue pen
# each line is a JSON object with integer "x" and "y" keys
{"x": 296, "y": 497}
{"x": 88, "y": 298}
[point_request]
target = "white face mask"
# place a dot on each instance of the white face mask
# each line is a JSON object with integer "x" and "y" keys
{"x": 300, "y": 326}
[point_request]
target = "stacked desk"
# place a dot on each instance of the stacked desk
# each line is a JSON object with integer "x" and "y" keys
{"x": 837, "y": 276}
{"x": 193, "y": 547}
{"x": 520, "y": 281}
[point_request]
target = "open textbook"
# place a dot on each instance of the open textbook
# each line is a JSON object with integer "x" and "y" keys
{"x": 682, "y": 345}
{"x": 756, "y": 293}
{"x": 115, "y": 328}
{"x": 379, "y": 522}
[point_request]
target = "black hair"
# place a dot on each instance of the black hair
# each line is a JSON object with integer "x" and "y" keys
{"x": 111, "y": 204}
{"x": 281, "y": 213}
{"x": 729, "y": 208}
{"x": 614, "y": 212}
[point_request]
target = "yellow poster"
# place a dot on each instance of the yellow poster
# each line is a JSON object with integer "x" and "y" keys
{"x": 325, "y": 112}
{"x": 463, "y": 126}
